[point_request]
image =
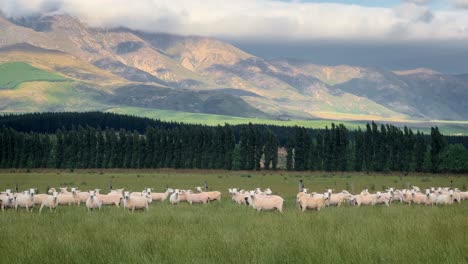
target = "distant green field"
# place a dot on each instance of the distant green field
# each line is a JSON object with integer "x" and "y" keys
{"x": 229, "y": 233}
{"x": 14, "y": 73}
{"x": 447, "y": 127}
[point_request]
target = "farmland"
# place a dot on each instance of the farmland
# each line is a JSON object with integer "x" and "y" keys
{"x": 228, "y": 233}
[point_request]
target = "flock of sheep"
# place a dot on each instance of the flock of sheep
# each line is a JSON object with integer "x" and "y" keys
{"x": 264, "y": 201}
{"x": 257, "y": 199}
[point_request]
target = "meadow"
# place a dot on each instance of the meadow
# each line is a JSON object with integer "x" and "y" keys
{"x": 228, "y": 233}
{"x": 446, "y": 127}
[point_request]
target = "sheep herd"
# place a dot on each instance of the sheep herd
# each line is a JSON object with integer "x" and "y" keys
{"x": 257, "y": 199}
{"x": 264, "y": 201}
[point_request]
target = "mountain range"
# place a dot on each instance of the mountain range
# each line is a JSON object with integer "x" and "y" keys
{"x": 57, "y": 63}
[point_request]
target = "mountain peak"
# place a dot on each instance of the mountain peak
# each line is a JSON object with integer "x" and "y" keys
{"x": 425, "y": 71}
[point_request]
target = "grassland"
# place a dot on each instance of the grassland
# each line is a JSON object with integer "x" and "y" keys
{"x": 14, "y": 73}
{"x": 447, "y": 127}
{"x": 228, "y": 233}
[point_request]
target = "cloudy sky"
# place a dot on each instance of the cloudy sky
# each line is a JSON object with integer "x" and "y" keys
{"x": 392, "y": 34}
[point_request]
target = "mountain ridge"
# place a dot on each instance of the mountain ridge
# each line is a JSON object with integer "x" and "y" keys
{"x": 109, "y": 61}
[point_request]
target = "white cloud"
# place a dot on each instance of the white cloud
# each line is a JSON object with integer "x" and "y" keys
{"x": 460, "y": 4}
{"x": 418, "y": 2}
{"x": 261, "y": 19}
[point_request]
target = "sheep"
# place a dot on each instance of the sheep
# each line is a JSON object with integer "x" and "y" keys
{"x": 418, "y": 198}
{"x": 213, "y": 196}
{"x": 197, "y": 198}
{"x": 68, "y": 198}
{"x": 64, "y": 190}
{"x": 368, "y": 199}
{"x": 431, "y": 198}
{"x": 93, "y": 201}
{"x": 338, "y": 198}
{"x": 385, "y": 197}
{"x": 407, "y": 197}
{"x": 239, "y": 197}
{"x": 457, "y": 196}
{"x": 136, "y": 202}
{"x": 39, "y": 198}
{"x": 82, "y": 196}
{"x": 51, "y": 201}
{"x": 183, "y": 195}
{"x": 266, "y": 203}
{"x": 25, "y": 200}
{"x": 160, "y": 196}
{"x": 7, "y": 200}
{"x": 112, "y": 198}
{"x": 445, "y": 198}
{"x": 175, "y": 197}
{"x": 314, "y": 201}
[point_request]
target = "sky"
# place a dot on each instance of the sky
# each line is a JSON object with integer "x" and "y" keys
{"x": 390, "y": 34}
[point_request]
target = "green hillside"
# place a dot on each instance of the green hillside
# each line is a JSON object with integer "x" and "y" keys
{"x": 14, "y": 73}
{"x": 447, "y": 127}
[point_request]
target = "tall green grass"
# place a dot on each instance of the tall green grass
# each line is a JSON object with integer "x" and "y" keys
{"x": 228, "y": 233}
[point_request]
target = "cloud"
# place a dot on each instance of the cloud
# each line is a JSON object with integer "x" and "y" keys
{"x": 418, "y": 2}
{"x": 463, "y": 4}
{"x": 259, "y": 20}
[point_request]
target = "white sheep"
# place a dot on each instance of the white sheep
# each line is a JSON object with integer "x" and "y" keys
{"x": 197, "y": 198}
{"x": 112, "y": 198}
{"x": 175, "y": 197}
{"x": 25, "y": 200}
{"x": 51, "y": 202}
{"x": 445, "y": 198}
{"x": 93, "y": 201}
{"x": 160, "y": 196}
{"x": 367, "y": 199}
{"x": 266, "y": 203}
{"x": 68, "y": 198}
{"x": 7, "y": 200}
{"x": 136, "y": 202}
{"x": 313, "y": 201}
{"x": 213, "y": 196}
{"x": 337, "y": 198}
{"x": 431, "y": 197}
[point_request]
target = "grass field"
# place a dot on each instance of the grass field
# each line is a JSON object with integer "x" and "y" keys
{"x": 446, "y": 127}
{"x": 14, "y": 73}
{"x": 228, "y": 233}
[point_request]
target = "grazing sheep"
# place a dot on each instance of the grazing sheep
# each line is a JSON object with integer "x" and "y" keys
{"x": 239, "y": 197}
{"x": 183, "y": 195}
{"x": 160, "y": 196}
{"x": 313, "y": 201}
{"x": 213, "y": 196}
{"x": 266, "y": 203}
{"x": 112, "y": 198}
{"x": 51, "y": 202}
{"x": 418, "y": 198}
{"x": 25, "y": 200}
{"x": 445, "y": 198}
{"x": 136, "y": 202}
{"x": 7, "y": 200}
{"x": 69, "y": 198}
{"x": 93, "y": 201}
{"x": 337, "y": 198}
{"x": 368, "y": 199}
{"x": 197, "y": 198}
{"x": 39, "y": 198}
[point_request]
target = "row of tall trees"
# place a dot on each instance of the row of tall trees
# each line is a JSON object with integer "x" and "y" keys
{"x": 200, "y": 147}
{"x": 384, "y": 148}
{"x": 243, "y": 147}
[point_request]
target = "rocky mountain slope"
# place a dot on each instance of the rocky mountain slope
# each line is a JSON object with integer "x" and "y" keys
{"x": 106, "y": 68}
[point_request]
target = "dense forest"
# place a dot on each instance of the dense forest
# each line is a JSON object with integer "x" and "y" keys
{"x": 103, "y": 140}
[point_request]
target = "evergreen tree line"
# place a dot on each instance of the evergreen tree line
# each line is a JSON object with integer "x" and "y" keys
{"x": 26, "y": 141}
{"x": 199, "y": 147}
{"x": 385, "y": 148}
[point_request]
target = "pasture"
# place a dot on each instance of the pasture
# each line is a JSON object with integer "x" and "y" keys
{"x": 229, "y": 233}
